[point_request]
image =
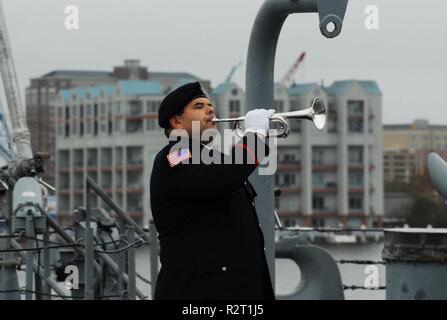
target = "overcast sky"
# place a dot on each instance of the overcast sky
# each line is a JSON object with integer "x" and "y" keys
{"x": 406, "y": 56}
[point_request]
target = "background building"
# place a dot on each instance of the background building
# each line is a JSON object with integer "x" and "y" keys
{"x": 406, "y": 147}
{"x": 329, "y": 177}
{"x": 110, "y": 132}
{"x": 42, "y": 91}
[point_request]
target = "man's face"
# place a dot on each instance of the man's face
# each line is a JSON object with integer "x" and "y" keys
{"x": 199, "y": 109}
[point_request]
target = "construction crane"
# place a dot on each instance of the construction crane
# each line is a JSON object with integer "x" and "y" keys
{"x": 289, "y": 78}
{"x": 233, "y": 70}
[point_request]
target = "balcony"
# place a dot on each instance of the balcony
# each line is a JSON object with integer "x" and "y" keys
{"x": 283, "y": 213}
{"x": 355, "y": 189}
{"x": 324, "y": 213}
{"x": 322, "y": 189}
{"x": 357, "y": 213}
{"x": 324, "y": 167}
{"x": 355, "y": 167}
{"x": 289, "y": 166}
{"x": 134, "y": 167}
{"x": 290, "y": 190}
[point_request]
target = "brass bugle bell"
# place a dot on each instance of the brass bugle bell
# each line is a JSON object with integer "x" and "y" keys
{"x": 316, "y": 113}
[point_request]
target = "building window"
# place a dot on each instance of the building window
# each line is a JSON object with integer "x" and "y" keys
{"x": 134, "y": 126}
{"x": 75, "y": 111}
{"x": 75, "y": 127}
{"x": 88, "y": 126}
{"x": 355, "y": 108}
{"x": 43, "y": 96}
{"x": 235, "y": 106}
{"x": 103, "y": 126}
{"x": 355, "y": 203}
{"x": 152, "y": 125}
{"x": 288, "y": 179}
{"x": 34, "y": 97}
{"x": 332, "y": 125}
{"x": 135, "y": 107}
{"x": 318, "y": 180}
{"x": 289, "y": 158}
{"x": 355, "y": 179}
{"x": 318, "y": 223}
{"x": 317, "y": 155}
{"x": 118, "y": 124}
{"x": 317, "y": 202}
{"x": 152, "y": 106}
{"x": 103, "y": 109}
{"x": 355, "y": 155}
{"x": 355, "y": 126}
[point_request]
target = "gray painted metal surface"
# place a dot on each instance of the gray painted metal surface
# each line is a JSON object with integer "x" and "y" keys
{"x": 437, "y": 167}
{"x": 259, "y": 84}
{"x": 21, "y": 135}
{"x": 153, "y": 247}
{"x": 131, "y": 269}
{"x": 320, "y": 276}
{"x": 8, "y": 275}
{"x": 416, "y": 263}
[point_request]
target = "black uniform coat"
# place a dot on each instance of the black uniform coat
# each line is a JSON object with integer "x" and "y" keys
{"x": 211, "y": 243}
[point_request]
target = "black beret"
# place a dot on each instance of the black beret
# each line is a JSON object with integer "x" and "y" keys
{"x": 176, "y": 100}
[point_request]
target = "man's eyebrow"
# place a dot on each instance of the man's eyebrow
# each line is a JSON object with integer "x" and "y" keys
{"x": 202, "y": 103}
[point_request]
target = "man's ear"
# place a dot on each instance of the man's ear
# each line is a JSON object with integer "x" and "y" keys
{"x": 176, "y": 122}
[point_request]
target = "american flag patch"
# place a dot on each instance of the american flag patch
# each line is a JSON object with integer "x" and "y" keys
{"x": 178, "y": 156}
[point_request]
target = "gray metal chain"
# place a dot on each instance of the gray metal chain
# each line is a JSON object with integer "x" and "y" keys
{"x": 346, "y": 287}
{"x": 139, "y": 276}
{"x": 342, "y": 261}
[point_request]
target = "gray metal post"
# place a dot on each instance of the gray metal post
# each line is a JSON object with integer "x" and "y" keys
{"x": 153, "y": 247}
{"x": 29, "y": 257}
{"x": 8, "y": 275}
{"x": 320, "y": 276}
{"x": 416, "y": 264}
{"x": 89, "y": 257}
{"x": 131, "y": 270}
{"x": 259, "y": 84}
{"x": 114, "y": 267}
{"x": 70, "y": 240}
{"x": 121, "y": 258}
{"x": 53, "y": 284}
{"x": 46, "y": 261}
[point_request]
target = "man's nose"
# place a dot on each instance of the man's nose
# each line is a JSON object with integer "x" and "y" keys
{"x": 210, "y": 109}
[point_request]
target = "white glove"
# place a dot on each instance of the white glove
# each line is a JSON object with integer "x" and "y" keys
{"x": 258, "y": 121}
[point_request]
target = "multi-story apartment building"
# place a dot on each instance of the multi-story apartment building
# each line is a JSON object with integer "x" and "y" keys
{"x": 111, "y": 134}
{"x": 328, "y": 177}
{"x": 40, "y": 109}
{"x": 406, "y": 147}
{"x": 42, "y": 91}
